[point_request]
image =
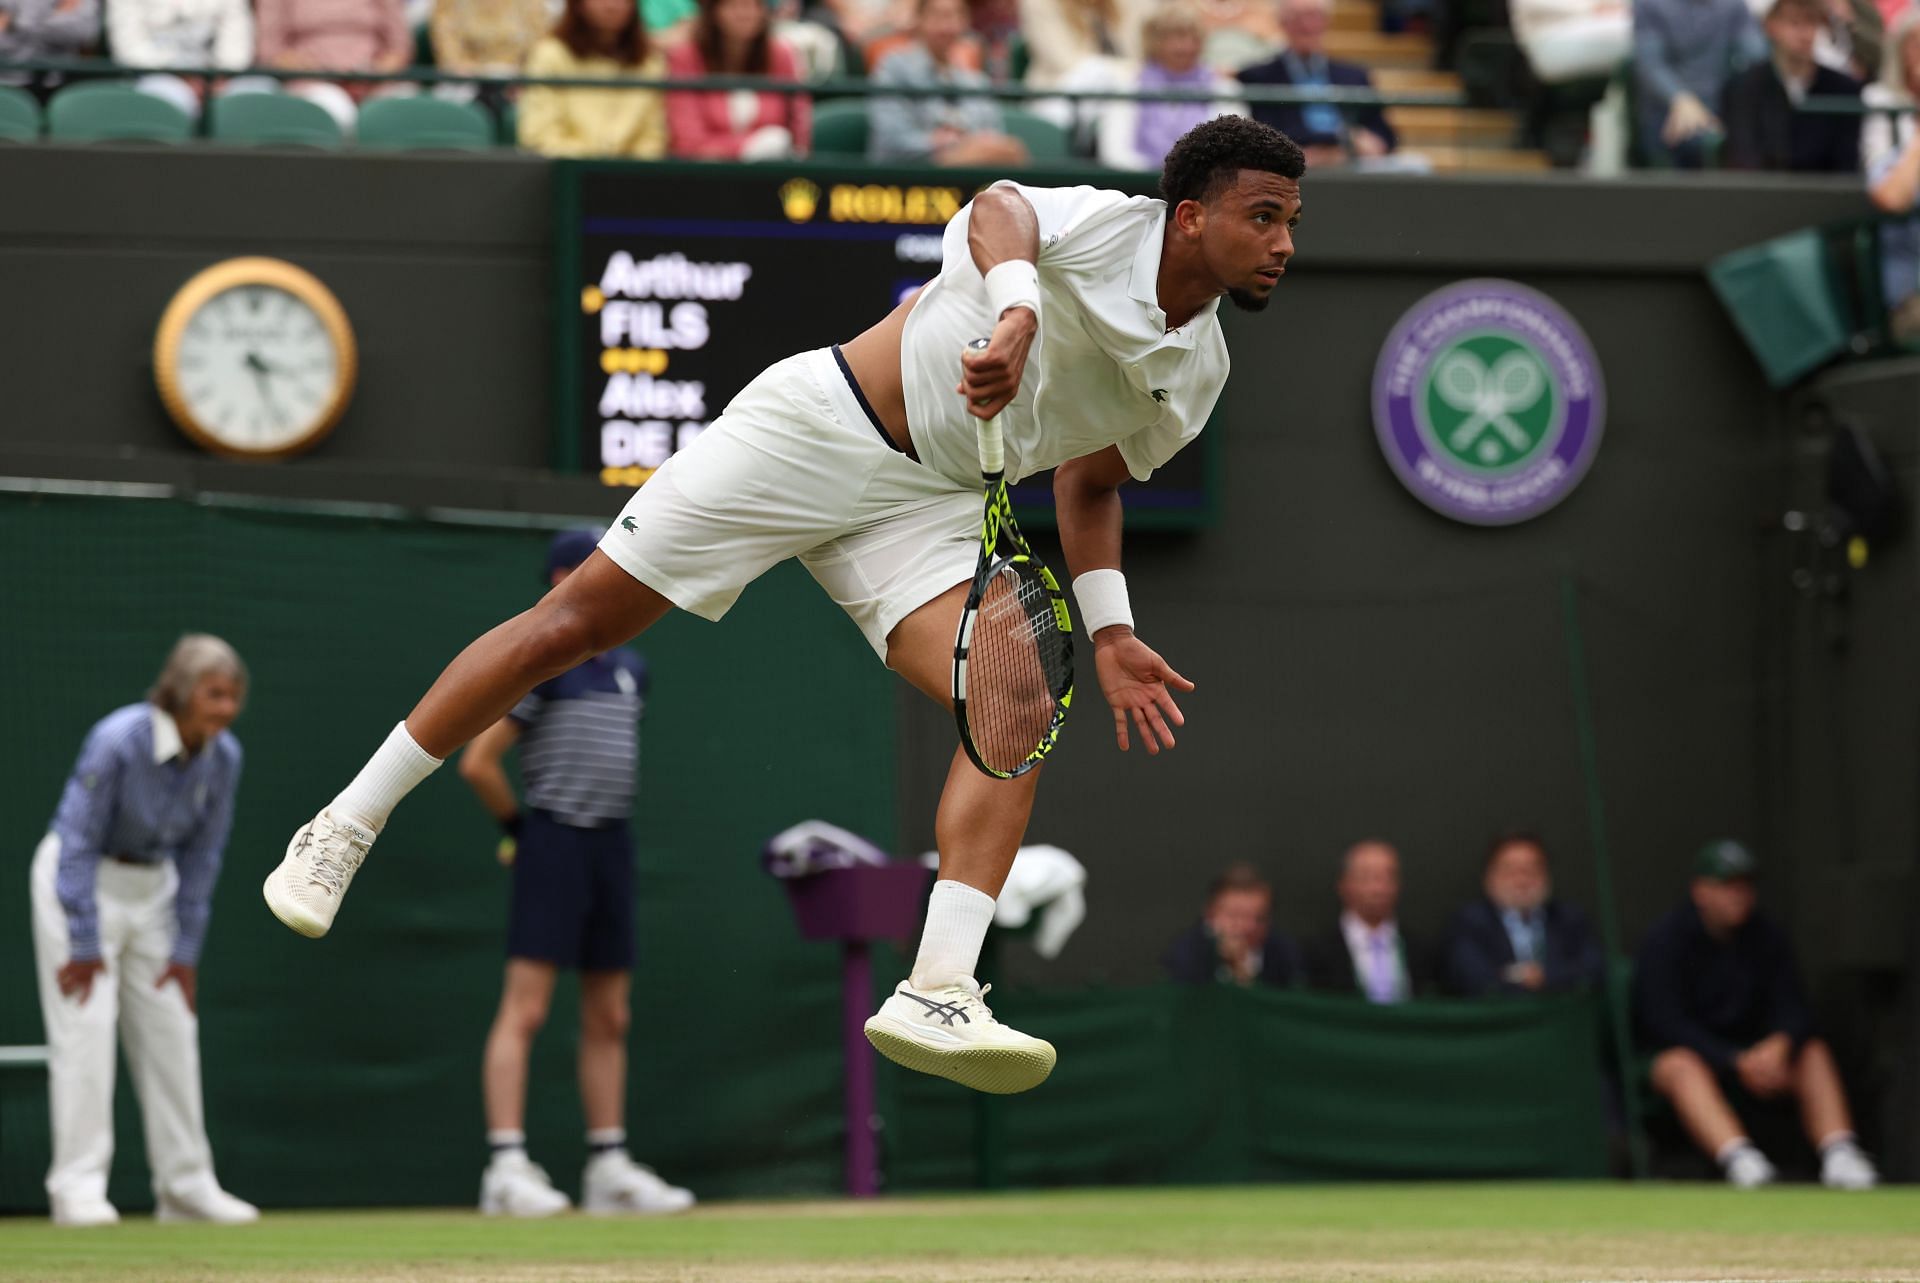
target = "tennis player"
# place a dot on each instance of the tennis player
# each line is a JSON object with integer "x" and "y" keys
{"x": 861, "y": 460}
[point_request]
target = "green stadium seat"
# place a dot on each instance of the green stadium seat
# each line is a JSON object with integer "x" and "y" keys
{"x": 1044, "y": 139}
{"x": 425, "y": 124}
{"x": 19, "y": 116}
{"x": 271, "y": 120}
{"x": 509, "y": 125}
{"x": 114, "y": 113}
{"x": 840, "y": 127}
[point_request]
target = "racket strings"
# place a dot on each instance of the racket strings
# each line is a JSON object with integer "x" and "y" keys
{"x": 1016, "y": 669}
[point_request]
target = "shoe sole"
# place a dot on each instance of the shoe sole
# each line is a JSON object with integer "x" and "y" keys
{"x": 291, "y": 915}
{"x": 1001, "y": 1071}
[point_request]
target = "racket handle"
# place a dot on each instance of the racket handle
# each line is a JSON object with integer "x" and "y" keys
{"x": 993, "y": 455}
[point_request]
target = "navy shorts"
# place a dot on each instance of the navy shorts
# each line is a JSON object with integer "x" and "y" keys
{"x": 572, "y": 895}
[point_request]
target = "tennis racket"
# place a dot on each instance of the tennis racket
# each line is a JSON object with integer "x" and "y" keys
{"x": 1013, "y": 655}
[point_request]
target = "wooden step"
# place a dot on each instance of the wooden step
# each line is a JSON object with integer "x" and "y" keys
{"x": 1482, "y": 160}
{"x": 1378, "y": 49}
{"x": 1416, "y": 80}
{"x": 1356, "y": 15}
{"x": 1454, "y": 126}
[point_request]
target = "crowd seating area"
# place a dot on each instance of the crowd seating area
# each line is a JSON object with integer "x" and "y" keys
{"x": 1422, "y": 85}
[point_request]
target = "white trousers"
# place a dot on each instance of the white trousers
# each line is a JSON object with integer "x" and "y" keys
{"x": 159, "y": 1031}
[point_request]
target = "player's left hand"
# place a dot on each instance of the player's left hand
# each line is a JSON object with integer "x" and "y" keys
{"x": 1136, "y": 682}
{"x": 989, "y": 379}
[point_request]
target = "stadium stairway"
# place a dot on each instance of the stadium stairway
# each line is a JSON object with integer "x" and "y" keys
{"x": 1454, "y": 139}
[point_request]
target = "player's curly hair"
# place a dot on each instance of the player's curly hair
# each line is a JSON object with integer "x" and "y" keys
{"x": 1209, "y": 155}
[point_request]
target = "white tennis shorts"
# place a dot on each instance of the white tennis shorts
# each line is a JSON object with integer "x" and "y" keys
{"x": 795, "y": 468}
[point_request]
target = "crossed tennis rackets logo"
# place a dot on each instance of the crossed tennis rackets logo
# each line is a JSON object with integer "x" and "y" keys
{"x": 1489, "y": 395}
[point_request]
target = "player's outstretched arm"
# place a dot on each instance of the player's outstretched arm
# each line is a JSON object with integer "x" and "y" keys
{"x": 1137, "y": 683}
{"x": 1003, "y": 235}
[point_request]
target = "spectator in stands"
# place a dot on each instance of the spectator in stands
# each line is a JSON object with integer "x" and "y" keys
{"x": 733, "y": 38}
{"x": 1567, "y": 40}
{"x": 1234, "y": 943}
{"x": 488, "y": 37}
{"x": 1064, "y": 34}
{"x": 945, "y": 131}
{"x": 1327, "y": 135}
{"x": 42, "y": 30}
{"x": 1890, "y": 150}
{"x": 1239, "y": 32}
{"x": 1517, "y": 938}
{"x": 1717, "y": 998}
{"x": 1137, "y": 135}
{"x": 1765, "y": 128}
{"x": 122, "y": 888}
{"x": 1365, "y": 952}
{"x": 595, "y": 38}
{"x": 1684, "y": 53}
{"x": 1851, "y": 37}
{"x": 336, "y": 35}
{"x": 182, "y": 33}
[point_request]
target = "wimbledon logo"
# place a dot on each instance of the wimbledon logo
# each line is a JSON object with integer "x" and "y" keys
{"x": 1488, "y": 402}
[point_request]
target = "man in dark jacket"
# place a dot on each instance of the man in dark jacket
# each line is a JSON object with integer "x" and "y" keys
{"x": 1765, "y": 127}
{"x": 1717, "y": 996}
{"x": 1364, "y": 952}
{"x": 1518, "y": 938}
{"x": 1327, "y": 137}
{"x": 1233, "y": 942}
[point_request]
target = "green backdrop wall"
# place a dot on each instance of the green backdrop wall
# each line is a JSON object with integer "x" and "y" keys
{"x": 347, "y": 1069}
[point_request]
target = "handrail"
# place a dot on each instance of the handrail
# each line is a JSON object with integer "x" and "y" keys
{"x": 1844, "y": 105}
{"x": 1346, "y": 99}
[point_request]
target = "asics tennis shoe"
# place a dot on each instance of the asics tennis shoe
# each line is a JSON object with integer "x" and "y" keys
{"x": 950, "y": 1033}
{"x": 306, "y": 890}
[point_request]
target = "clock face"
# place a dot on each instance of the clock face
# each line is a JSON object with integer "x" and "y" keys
{"x": 257, "y": 369}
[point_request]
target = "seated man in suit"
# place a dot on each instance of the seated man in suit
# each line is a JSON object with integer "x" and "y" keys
{"x": 1366, "y": 953}
{"x": 1517, "y": 938}
{"x": 1233, "y": 943}
{"x": 1717, "y": 997}
{"x": 1765, "y": 127}
{"x": 1322, "y": 131}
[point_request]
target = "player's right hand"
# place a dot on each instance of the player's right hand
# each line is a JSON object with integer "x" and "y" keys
{"x": 989, "y": 379}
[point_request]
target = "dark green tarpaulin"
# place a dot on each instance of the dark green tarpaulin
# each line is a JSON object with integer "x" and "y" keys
{"x": 1217, "y": 1084}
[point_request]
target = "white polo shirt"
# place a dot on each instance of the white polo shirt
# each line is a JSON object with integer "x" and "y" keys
{"x": 1104, "y": 369}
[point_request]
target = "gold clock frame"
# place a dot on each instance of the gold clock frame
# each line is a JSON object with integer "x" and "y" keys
{"x": 231, "y": 274}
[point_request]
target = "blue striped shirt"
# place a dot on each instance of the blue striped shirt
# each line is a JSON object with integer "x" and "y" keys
{"x": 580, "y": 744}
{"x": 135, "y": 792}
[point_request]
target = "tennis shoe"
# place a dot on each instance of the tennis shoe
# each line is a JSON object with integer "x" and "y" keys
{"x": 949, "y": 1032}
{"x": 306, "y": 889}
{"x": 204, "y": 1200}
{"x": 614, "y": 1184}
{"x": 1845, "y": 1167}
{"x": 514, "y": 1185}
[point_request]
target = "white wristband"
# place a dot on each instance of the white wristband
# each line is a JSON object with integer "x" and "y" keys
{"x": 1014, "y": 283}
{"x": 1102, "y": 597}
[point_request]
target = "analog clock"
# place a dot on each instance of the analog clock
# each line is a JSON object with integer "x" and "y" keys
{"x": 255, "y": 359}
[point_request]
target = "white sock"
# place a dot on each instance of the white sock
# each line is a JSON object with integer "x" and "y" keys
{"x": 1838, "y": 1141}
{"x": 957, "y": 921}
{"x": 388, "y": 776}
{"x": 1732, "y": 1147}
{"x": 603, "y": 1140}
{"x": 505, "y": 1141}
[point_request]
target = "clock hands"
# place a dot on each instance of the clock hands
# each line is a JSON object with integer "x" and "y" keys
{"x": 263, "y": 373}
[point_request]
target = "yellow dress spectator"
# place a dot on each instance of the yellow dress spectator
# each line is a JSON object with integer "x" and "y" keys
{"x": 604, "y": 39}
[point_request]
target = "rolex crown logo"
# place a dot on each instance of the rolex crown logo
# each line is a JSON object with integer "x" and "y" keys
{"x": 798, "y": 199}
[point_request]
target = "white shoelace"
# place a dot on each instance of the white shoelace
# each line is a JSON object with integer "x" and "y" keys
{"x": 332, "y": 859}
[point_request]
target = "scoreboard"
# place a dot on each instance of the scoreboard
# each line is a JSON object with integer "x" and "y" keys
{"x": 677, "y": 284}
